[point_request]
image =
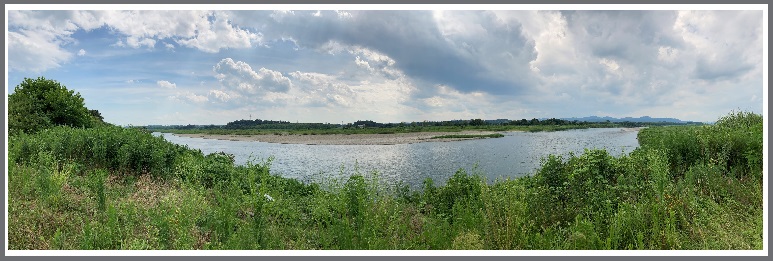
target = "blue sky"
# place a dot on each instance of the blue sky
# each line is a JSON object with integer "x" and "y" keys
{"x": 213, "y": 67}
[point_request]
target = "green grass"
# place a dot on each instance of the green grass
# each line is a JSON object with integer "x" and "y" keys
{"x": 114, "y": 188}
{"x": 469, "y": 136}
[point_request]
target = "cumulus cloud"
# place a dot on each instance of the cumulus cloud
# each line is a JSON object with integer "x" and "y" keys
{"x": 321, "y": 89}
{"x": 35, "y": 51}
{"x": 136, "y": 42}
{"x": 81, "y": 52}
{"x": 365, "y": 95}
{"x": 412, "y": 39}
{"x": 220, "y": 34}
{"x": 376, "y": 62}
{"x": 37, "y": 37}
{"x": 166, "y": 84}
{"x": 190, "y": 97}
{"x": 240, "y": 77}
{"x": 222, "y": 95}
{"x": 241, "y": 85}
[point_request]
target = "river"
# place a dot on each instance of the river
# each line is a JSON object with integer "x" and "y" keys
{"x": 516, "y": 154}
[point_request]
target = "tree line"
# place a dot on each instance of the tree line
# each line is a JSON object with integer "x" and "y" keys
{"x": 286, "y": 125}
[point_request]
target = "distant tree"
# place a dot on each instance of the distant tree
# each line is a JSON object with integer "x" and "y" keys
{"x": 477, "y": 122}
{"x": 41, "y": 103}
{"x": 97, "y": 115}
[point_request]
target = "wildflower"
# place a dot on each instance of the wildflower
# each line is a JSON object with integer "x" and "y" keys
{"x": 269, "y": 198}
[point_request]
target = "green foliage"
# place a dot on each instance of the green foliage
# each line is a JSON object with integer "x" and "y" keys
{"x": 129, "y": 151}
{"x": 37, "y": 104}
{"x": 467, "y": 240}
{"x": 684, "y": 188}
{"x": 97, "y": 179}
{"x": 460, "y": 189}
{"x": 733, "y": 143}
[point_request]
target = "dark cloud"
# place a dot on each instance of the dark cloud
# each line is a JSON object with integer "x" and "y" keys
{"x": 721, "y": 70}
{"x": 630, "y": 35}
{"x": 413, "y": 40}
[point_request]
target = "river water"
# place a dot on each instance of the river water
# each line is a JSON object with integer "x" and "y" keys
{"x": 516, "y": 154}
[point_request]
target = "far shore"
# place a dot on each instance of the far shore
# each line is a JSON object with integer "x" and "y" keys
{"x": 344, "y": 139}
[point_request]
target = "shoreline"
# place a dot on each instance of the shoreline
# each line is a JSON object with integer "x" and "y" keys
{"x": 343, "y": 139}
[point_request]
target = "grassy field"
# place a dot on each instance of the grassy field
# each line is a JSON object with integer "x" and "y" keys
{"x": 114, "y": 188}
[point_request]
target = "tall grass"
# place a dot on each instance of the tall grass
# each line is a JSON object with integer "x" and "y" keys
{"x": 115, "y": 188}
{"x": 115, "y": 148}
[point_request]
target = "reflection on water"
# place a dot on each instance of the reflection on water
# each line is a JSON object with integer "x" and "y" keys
{"x": 516, "y": 154}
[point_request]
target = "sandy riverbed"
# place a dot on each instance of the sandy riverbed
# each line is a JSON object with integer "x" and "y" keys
{"x": 342, "y": 139}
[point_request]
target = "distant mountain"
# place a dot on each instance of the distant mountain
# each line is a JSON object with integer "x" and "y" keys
{"x": 639, "y": 119}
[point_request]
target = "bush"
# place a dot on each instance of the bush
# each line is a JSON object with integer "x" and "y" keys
{"x": 38, "y": 104}
{"x": 129, "y": 151}
{"x": 734, "y": 142}
{"x": 460, "y": 188}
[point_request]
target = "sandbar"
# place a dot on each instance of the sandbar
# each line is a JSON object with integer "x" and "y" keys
{"x": 343, "y": 139}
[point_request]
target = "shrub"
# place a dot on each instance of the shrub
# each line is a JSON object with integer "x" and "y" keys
{"x": 467, "y": 240}
{"x": 129, "y": 151}
{"x": 37, "y": 104}
{"x": 459, "y": 188}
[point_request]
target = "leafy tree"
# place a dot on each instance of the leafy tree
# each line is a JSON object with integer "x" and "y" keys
{"x": 477, "y": 122}
{"x": 41, "y": 103}
{"x": 97, "y": 115}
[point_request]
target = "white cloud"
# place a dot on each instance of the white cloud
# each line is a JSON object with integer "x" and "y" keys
{"x": 35, "y": 51}
{"x": 718, "y": 47}
{"x": 135, "y": 42}
{"x": 81, "y": 52}
{"x": 189, "y": 97}
{"x": 375, "y": 62}
{"x": 322, "y": 89}
{"x": 166, "y": 84}
{"x": 344, "y": 14}
{"x": 240, "y": 77}
{"x": 220, "y": 34}
{"x": 196, "y": 98}
{"x": 222, "y": 96}
{"x": 667, "y": 54}
{"x": 611, "y": 66}
{"x": 281, "y": 14}
{"x": 367, "y": 96}
{"x": 38, "y": 36}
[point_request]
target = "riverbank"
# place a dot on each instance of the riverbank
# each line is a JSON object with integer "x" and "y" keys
{"x": 345, "y": 139}
{"x": 120, "y": 188}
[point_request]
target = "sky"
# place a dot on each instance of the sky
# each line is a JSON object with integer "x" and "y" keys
{"x": 148, "y": 67}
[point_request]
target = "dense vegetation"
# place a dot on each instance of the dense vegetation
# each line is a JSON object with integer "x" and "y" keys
{"x": 38, "y": 104}
{"x": 258, "y": 127}
{"x": 108, "y": 187}
{"x": 378, "y": 130}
